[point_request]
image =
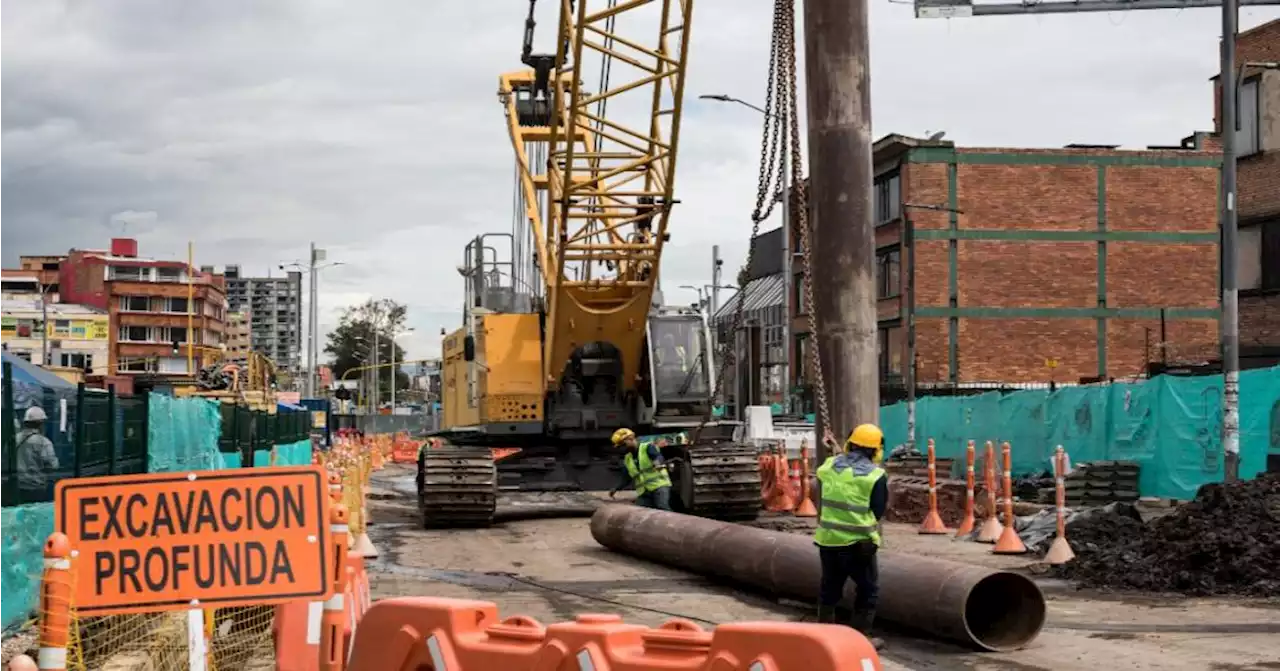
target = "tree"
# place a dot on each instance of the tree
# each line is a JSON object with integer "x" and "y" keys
{"x": 351, "y": 343}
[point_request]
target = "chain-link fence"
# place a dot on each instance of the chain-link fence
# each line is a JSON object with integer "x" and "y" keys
{"x": 91, "y": 432}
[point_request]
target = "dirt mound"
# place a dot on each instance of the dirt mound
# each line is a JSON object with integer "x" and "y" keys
{"x": 1226, "y": 541}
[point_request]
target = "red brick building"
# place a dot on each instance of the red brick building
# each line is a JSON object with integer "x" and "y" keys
{"x": 1037, "y": 265}
{"x": 147, "y": 301}
{"x": 1258, "y": 183}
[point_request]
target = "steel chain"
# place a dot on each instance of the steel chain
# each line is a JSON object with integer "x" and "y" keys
{"x": 769, "y": 177}
{"x": 801, "y": 220}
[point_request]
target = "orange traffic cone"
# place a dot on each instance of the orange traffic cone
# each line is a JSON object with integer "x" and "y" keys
{"x": 932, "y": 523}
{"x": 966, "y": 525}
{"x": 805, "y": 508}
{"x": 1009, "y": 542}
{"x": 1060, "y": 552}
{"x": 990, "y": 530}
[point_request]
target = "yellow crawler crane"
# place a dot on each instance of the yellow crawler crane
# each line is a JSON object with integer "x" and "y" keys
{"x": 565, "y": 338}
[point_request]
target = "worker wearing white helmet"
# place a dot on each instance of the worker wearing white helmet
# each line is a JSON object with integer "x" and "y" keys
{"x": 36, "y": 458}
{"x": 645, "y": 470}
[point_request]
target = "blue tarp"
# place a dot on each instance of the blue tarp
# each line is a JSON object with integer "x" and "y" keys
{"x": 25, "y": 372}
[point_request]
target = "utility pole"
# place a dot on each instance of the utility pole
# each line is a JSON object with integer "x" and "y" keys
{"x": 44, "y": 325}
{"x": 310, "y": 386}
{"x": 1229, "y": 324}
{"x": 716, "y": 269}
{"x": 843, "y": 241}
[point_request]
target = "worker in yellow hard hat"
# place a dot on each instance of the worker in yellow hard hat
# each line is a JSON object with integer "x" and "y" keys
{"x": 645, "y": 470}
{"x": 853, "y": 495}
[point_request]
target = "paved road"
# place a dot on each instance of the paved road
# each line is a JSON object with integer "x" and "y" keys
{"x": 552, "y": 569}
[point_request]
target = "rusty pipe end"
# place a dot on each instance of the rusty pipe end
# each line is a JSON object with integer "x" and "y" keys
{"x": 1004, "y": 611}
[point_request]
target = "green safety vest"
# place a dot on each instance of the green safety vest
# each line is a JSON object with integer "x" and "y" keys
{"x": 846, "y": 516}
{"x": 645, "y": 477}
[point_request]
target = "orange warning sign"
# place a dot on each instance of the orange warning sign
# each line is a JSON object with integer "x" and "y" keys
{"x": 172, "y": 541}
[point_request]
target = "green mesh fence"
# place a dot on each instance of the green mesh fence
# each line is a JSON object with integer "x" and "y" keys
{"x": 1170, "y": 425}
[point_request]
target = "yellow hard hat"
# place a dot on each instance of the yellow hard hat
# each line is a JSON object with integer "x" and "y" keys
{"x": 621, "y": 435}
{"x": 868, "y": 437}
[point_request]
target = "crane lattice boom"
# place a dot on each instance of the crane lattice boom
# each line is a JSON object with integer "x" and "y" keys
{"x": 596, "y": 169}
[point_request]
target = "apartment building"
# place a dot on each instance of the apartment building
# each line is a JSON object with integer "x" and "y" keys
{"x": 1258, "y": 182}
{"x": 273, "y": 306}
{"x": 238, "y": 333}
{"x": 148, "y": 303}
{"x": 35, "y": 275}
{"x": 74, "y": 336}
{"x": 1039, "y": 265}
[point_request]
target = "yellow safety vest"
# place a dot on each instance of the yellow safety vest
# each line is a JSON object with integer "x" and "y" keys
{"x": 846, "y": 516}
{"x": 644, "y": 476}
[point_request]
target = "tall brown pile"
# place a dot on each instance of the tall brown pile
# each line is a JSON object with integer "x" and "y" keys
{"x": 1226, "y": 541}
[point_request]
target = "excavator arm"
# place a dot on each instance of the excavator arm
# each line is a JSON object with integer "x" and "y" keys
{"x": 596, "y": 169}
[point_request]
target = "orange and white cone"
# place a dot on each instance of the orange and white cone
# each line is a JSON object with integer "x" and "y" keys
{"x": 1060, "y": 551}
{"x": 1009, "y": 543}
{"x": 932, "y": 523}
{"x": 990, "y": 530}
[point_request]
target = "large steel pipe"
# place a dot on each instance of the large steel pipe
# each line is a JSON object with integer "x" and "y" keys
{"x": 979, "y": 607}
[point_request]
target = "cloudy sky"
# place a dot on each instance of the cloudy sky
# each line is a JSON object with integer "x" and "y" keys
{"x": 372, "y": 127}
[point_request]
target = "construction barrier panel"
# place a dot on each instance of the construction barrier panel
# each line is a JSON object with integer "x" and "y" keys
{"x": 460, "y": 635}
{"x": 1169, "y": 425}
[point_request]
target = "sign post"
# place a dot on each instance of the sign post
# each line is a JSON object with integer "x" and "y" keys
{"x": 183, "y": 541}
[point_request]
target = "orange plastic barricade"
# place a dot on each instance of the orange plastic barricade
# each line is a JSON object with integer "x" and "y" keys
{"x": 296, "y": 628}
{"x": 435, "y": 634}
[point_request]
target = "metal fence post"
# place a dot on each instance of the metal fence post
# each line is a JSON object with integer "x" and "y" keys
{"x": 113, "y": 456}
{"x": 9, "y": 489}
{"x": 78, "y": 441}
{"x": 146, "y": 432}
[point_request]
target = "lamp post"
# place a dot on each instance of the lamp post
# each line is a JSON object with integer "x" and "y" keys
{"x": 394, "y": 376}
{"x": 313, "y": 324}
{"x": 787, "y": 255}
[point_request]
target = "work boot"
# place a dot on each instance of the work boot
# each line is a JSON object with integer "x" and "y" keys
{"x": 826, "y": 614}
{"x": 862, "y": 621}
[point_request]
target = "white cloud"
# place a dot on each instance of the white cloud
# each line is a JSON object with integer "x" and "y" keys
{"x": 372, "y": 128}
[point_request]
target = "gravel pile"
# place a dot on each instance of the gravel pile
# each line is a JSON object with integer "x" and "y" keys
{"x": 1226, "y": 541}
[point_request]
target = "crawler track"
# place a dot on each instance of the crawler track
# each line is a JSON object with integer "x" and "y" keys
{"x": 720, "y": 481}
{"x": 457, "y": 486}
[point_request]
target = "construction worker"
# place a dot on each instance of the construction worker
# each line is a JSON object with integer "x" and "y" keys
{"x": 852, "y": 495}
{"x": 645, "y": 470}
{"x": 36, "y": 458}
{"x": 671, "y": 354}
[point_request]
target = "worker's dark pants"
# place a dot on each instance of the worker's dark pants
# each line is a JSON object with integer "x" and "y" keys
{"x": 659, "y": 498}
{"x": 855, "y": 562}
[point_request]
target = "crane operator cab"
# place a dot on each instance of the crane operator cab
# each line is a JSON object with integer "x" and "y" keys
{"x": 679, "y": 367}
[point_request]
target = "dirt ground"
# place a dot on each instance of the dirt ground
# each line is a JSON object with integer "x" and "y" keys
{"x": 552, "y": 570}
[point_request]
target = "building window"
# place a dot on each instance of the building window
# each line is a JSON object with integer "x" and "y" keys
{"x": 62, "y": 327}
{"x": 1259, "y": 257}
{"x": 81, "y": 361}
{"x": 130, "y": 273}
{"x": 1248, "y": 139}
{"x": 135, "y": 303}
{"x": 888, "y": 197}
{"x": 135, "y": 334}
{"x": 889, "y": 274}
{"x": 889, "y": 347}
{"x": 132, "y": 365}
{"x": 169, "y": 274}
{"x": 177, "y": 305}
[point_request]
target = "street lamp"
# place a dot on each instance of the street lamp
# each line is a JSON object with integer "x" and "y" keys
{"x": 786, "y": 237}
{"x": 313, "y": 313}
{"x": 394, "y": 372}
{"x": 701, "y": 299}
